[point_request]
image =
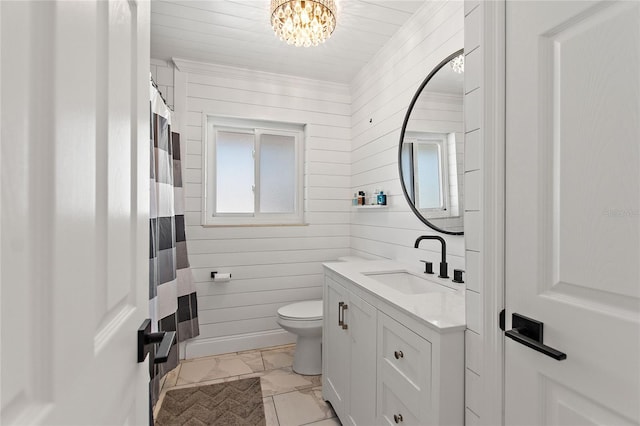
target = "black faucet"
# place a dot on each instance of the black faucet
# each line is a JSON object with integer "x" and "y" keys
{"x": 443, "y": 261}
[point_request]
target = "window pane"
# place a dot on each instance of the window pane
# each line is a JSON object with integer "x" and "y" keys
{"x": 234, "y": 172}
{"x": 428, "y": 168}
{"x": 277, "y": 174}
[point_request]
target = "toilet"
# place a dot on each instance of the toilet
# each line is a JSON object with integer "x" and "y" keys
{"x": 304, "y": 319}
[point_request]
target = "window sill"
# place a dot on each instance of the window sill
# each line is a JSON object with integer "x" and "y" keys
{"x": 250, "y": 225}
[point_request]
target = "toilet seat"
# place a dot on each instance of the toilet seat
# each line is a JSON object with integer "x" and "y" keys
{"x": 310, "y": 310}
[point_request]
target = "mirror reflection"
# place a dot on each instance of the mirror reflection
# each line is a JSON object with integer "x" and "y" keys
{"x": 431, "y": 150}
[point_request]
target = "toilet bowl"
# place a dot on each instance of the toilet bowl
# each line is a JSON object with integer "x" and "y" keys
{"x": 304, "y": 319}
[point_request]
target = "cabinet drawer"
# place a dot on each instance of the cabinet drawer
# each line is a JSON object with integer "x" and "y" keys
{"x": 404, "y": 351}
{"x": 393, "y": 409}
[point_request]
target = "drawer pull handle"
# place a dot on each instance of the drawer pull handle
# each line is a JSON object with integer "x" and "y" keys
{"x": 398, "y": 355}
{"x": 340, "y": 321}
{"x": 344, "y": 324}
{"x": 397, "y": 418}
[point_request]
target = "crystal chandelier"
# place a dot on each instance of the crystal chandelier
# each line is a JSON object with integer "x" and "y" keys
{"x": 457, "y": 64}
{"x": 303, "y": 22}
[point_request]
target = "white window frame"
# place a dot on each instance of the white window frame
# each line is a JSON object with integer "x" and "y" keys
{"x": 212, "y": 124}
{"x": 439, "y": 139}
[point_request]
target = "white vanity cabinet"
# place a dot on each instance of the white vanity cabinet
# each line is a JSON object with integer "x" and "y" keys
{"x": 383, "y": 366}
{"x": 348, "y": 354}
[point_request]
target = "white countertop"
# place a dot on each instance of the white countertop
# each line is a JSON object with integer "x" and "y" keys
{"x": 442, "y": 311}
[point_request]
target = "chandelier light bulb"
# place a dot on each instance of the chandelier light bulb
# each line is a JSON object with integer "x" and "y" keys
{"x": 303, "y": 22}
{"x": 457, "y": 64}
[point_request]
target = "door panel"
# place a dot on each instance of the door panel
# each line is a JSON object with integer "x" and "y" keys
{"x": 572, "y": 213}
{"x": 335, "y": 349}
{"x": 74, "y": 212}
{"x": 361, "y": 320}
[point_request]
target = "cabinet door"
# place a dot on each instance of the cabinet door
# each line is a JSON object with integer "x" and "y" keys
{"x": 404, "y": 375}
{"x": 335, "y": 349}
{"x": 360, "y": 318}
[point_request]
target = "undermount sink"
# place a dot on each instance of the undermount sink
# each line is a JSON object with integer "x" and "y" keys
{"x": 408, "y": 283}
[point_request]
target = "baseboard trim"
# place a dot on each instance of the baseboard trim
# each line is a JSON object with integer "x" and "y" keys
{"x": 243, "y": 342}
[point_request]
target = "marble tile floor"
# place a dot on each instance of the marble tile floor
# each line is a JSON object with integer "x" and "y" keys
{"x": 289, "y": 399}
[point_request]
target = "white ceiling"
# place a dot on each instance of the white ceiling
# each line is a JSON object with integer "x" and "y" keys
{"x": 238, "y": 33}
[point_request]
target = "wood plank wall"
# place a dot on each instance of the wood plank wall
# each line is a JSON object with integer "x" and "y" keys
{"x": 274, "y": 265}
{"x": 473, "y": 178}
{"x": 352, "y": 140}
{"x": 381, "y": 94}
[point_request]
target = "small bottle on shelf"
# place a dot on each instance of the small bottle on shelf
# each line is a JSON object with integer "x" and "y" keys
{"x": 382, "y": 199}
{"x": 361, "y": 198}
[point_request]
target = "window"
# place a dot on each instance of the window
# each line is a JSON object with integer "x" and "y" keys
{"x": 428, "y": 168}
{"x": 253, "y": 172}
{"x": 427, "y": 172}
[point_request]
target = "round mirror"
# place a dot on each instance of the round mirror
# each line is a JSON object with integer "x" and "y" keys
{"x": 431, "y": 152}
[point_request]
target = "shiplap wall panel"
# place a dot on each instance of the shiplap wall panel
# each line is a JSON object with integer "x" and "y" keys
{"x": 473, "y": 389}
{"x": 276, "y": 270}
{"x": 381, "y": 95}
{"x": 198, "y": 232}
{"x": 326, "y": 155}
{"x": 407, "y": 40}
{"x": 398, "y": 236}
{"x": 248, "y": 285}
{"x": 232, "y": 300}
{"x": 162, "y": 74}
{"x": 321, "y": 193}
{"x": 213, "y": 316}
{"x": 332, "y": 146}
{"x": 473, "y": 351}
{"x": 271, "y": 265}
{"x": 224, "y": 76}
{"x": 250, "y": 257}
{"x": 267, "y": 112}
{"x": 326, "y": 168}
{"x": 318, "y": 92}
{"x": 482, "y": 53}
{"x": 275, "y": 100}
{"x": 472, "y": 154}
{"x": 265, "y": 244}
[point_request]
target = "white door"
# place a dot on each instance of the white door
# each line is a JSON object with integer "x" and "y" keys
{"x": 573, "y": 210}
{"x": 74, "y": 211}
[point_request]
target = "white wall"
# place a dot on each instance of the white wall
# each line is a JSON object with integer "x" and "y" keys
{"x": 381, "y": 94}
{"x": 473, "y": 177}
{"x": 484, "y": 220}
{"x": 270, "y": 266}
{"x": 162, "y": 73}
{"x": 353, "y": 134}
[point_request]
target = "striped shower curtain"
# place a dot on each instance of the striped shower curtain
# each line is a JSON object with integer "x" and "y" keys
{"x": 173, "y": 304}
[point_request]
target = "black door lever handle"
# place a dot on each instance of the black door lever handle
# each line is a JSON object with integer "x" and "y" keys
{"x": 166, "y": 339}
{"x": 535, "y": 345}
{"x": 146, "y": 339}
{"x": 529, "y": 332}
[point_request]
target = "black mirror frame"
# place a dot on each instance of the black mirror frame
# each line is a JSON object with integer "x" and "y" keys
{"x": 404, "y": 128}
